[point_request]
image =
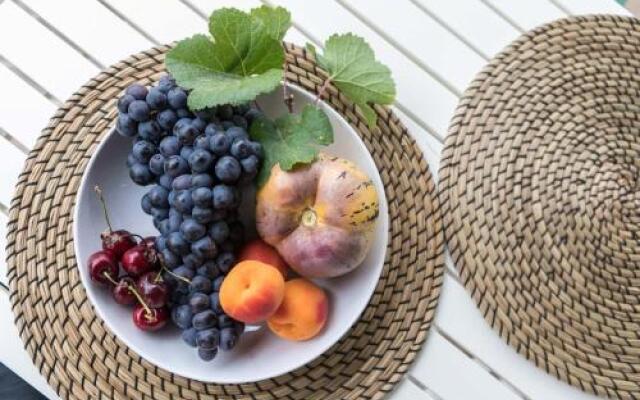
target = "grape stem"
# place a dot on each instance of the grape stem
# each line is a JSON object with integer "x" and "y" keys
{"x": 287, "y": 97}
{"x": 98, "y": 191}
{"x": 322, "y": 91}
{"x": 163, "y": 268}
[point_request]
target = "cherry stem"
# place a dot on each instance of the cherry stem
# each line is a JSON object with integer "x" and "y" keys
{"x": 322, "y": 91}
{"x": 109, "y": 277}
{"x": 104, "y": 206}
{"x": 133, "y": 291}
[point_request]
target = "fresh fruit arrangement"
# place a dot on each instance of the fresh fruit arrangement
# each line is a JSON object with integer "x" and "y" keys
{"x": 200, "y": 144}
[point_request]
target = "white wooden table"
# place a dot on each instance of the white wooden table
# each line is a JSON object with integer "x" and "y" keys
{"x": 434, "y": 47}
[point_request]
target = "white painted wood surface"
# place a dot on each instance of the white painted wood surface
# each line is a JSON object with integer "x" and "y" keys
{"x": 525, "y": 15}
{"x": 473, "y": 21}
{"x": 93, "y": 27}
{"x": 25, "y": 115}
{"x": 15, "y": 23}
{"x": 11, "y": 160}
{"x": 3, "y": 243}
{"x": 434, "y": 49}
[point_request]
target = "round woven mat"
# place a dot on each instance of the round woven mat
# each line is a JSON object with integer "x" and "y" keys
{"x": 540, "y": 186}
{"x": 82, "y": 359}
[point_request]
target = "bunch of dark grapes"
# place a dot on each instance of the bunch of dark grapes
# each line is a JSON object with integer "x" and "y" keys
{"x": 195, "y": 165}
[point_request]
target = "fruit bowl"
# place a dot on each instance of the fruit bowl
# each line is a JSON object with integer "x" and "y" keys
{"x": 259, "y": 353}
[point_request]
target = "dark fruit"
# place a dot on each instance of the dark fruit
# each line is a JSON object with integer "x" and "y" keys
{"x": 208, "y": 338}
{"x": 182, "y": 316}
{"x": 152, "y": 289}
{"x": 225, "y": 321}
{"x": 204, "y": 320}
{"x": 103, "y": 267}
{"x": 199, "y": 302}
{"x": 150, "y": 319}
{"x": 118, "y": 242}
{"x": 190, "y": 336}
{"x": 201, "y": 285}
{"x": 207, "y": 354}
{"x": 138, "y": 260}
{"x": 228, "y": 339}
{"x": 123, "y": 291}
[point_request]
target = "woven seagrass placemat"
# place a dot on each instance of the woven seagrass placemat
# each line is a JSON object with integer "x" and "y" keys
{"x": 81, "y": 358}
{"x": 540, "y": 186}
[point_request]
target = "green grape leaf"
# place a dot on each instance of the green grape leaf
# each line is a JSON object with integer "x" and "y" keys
{"x": 275, "y": 20}
{"x": 353, "y": 69}
{"x": 311, "y": 49}
{"x": 292, "y": 139}
{"x": 240, "y": 61}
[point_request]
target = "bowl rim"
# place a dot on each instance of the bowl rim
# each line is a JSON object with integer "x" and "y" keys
{"x": 298, "y": 91}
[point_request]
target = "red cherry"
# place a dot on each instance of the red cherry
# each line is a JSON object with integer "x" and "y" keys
{"x": 150, "y": 319}
{"x": 123, "y": 291}
{"x": 138, "y": 260}
{"x": 117, "y": 241}
{"x": 153, "y": 290}
{"x": 103, "y": 267}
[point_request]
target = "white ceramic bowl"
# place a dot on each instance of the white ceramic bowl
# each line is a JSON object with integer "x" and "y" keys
{"x": 259, "y": 354}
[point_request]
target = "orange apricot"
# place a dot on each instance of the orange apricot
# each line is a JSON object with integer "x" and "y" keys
{"x": 252, "y": 291}
{"x": 302, "y": 313}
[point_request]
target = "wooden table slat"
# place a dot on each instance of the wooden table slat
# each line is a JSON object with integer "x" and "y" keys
{"x": 528, "y": 14}
{"x": 593, "y": 6}
{"x": 171, "y": 20}
{"x": 421, "y": 37}
{"x": 93, "y": 27}
{"x": 407, "y": 390}
{"x": 41, "y": 55}
{"x": 25, "y": 113}
{"x": 474, "y": 21}
{"x": 11, "y": 162}
{"x": 3, "y": 244}
{"x": 453, "y": 375}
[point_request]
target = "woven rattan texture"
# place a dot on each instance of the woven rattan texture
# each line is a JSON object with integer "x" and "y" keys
{"x": 81, "y": 358}
{"x": 540, "y": 186}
